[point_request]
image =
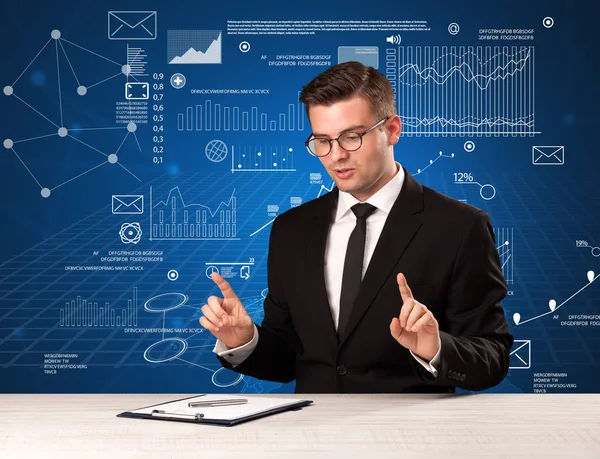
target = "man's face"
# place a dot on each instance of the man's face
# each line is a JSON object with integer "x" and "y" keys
{"x": 365, "y": 171}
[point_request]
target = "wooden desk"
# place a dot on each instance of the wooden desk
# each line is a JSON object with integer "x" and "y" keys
{"x": 335, "y": 426}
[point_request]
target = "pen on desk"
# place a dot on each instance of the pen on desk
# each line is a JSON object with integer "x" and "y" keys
{"x": 225, "y": 402}
{"x": 164, "y": 414}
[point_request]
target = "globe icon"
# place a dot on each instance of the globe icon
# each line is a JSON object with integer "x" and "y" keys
{"x": 216, "y": 151}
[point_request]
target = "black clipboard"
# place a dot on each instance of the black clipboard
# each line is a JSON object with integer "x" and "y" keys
{"x": 159, "y": 415}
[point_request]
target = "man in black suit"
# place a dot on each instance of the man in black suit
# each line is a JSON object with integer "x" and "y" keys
{"x": 340, "y": 315}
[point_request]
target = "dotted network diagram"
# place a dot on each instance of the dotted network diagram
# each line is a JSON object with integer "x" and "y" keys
{"x": 61, "y": 131}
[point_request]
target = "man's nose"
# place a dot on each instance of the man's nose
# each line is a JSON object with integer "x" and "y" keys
{"x": 337, "y": 152}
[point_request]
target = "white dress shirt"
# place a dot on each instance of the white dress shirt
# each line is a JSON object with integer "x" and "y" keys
{"x": 343, "y": 224}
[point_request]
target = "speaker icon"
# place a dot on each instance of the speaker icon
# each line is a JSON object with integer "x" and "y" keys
{"x": 394, "y": 39}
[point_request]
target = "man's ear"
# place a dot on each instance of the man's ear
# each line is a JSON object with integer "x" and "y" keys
{"x": 394, "y": 129}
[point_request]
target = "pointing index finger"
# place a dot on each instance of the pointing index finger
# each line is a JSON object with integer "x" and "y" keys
{"x": 223, "y": 285}
{"x": 405, "y": 291}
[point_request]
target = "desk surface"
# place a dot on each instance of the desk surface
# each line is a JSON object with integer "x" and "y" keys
{"x": 371, "y": 426}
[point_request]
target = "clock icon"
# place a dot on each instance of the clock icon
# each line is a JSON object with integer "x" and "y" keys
{"x": 210, "y": 270}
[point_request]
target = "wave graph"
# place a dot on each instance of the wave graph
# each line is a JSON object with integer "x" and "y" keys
{"x": 445, "y": 91}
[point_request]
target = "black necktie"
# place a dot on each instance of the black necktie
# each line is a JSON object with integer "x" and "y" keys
{"x": 353, "y": 263}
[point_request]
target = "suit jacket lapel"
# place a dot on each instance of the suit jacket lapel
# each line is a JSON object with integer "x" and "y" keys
{"x": 399, "y": 229}
{"x": 316, "y": 238}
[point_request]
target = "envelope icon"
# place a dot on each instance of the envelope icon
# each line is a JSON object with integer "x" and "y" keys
{"x": 127, "y": 204}
{"x": 548, "y": 156}
{"x": 132, "y": 25}
{"x": 520, "y": 356}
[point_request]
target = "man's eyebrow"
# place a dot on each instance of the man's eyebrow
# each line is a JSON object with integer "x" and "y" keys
{"x": 351, "y": 128}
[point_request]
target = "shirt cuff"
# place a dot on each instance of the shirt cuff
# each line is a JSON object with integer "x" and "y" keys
{"x": 236, "y": 355}
{"x": 432, "y": 364}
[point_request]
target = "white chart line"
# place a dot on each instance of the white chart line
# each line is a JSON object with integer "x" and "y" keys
{"x": 262, "y": 227}
{"x": 195, "y": 364}
{"x": 408, "y": 134}
{"x": 264, "y": 170}
{"x": 431, "y": 163}
{"x": 561, "y": 304}
{"x": 506, "y": 261}
{"x": 467, "y": 183}
{"x": 323, "y": 187}
{"x": 191, "y": 336}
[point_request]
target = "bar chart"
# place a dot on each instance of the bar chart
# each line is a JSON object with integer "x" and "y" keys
{"x": 82, "y": 312}
{"x": 173, "y": 219}
{"x": 212, "y": 116}
{"x": 504, "y": 243}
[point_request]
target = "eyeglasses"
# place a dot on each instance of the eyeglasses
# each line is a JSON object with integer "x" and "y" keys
{"x": 349, "y": 141}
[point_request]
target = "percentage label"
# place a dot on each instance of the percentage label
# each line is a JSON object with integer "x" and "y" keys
{"x": 463, "y": 177}
{"x": 580, "y": 243}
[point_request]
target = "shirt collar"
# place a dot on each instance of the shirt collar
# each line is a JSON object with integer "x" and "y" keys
{"x": 384, "y": 199}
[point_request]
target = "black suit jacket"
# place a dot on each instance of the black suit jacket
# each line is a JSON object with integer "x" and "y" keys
{"x": 447, "y": 252}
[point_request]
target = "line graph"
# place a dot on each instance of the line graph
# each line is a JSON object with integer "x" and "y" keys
{"x": 479, "y": 90}
{"x": 553, "y": 307}
{"x": 431, "y": 162}
{"x": 322, "y": 190}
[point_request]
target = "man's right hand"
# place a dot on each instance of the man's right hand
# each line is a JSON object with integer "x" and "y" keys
{"x": 226, "y": 317}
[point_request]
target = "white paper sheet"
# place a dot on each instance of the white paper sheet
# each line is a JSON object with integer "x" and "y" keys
{"x": 255, "y": 405}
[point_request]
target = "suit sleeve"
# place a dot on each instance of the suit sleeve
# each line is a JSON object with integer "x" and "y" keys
{"x": 475, "y": 341}
{"x": 274, "y": 358}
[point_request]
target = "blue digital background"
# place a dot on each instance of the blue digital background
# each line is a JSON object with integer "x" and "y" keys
{"x": 542, "y": 210}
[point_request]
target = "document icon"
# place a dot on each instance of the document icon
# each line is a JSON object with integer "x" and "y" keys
{"x": 137, "y": 91}
{"x": 132, "y": 25}
{"x": 520, "y": 356}
{"x": 127, "y": 204}
{"x": 548, "y": 156}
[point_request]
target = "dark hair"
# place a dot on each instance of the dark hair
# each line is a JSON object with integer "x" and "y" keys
{"x": 349, "y": 79}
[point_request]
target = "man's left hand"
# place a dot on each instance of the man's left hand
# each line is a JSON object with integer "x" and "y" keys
{"x": 416, "y": 329}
